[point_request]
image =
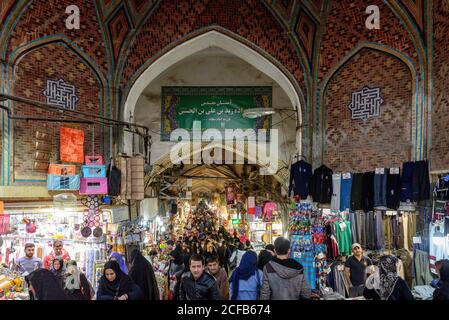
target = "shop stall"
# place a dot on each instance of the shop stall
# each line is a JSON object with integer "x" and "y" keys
{"x": 387, "y": 211}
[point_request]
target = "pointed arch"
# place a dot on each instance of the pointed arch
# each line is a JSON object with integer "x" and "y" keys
{"x": 213, "y": 38}
{"x": 416, "y": 91}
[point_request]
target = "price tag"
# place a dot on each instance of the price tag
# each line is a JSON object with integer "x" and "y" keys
{"x": 380, "y": 170}
{"x": 342, "y": 226}
{"x": 297, "y": 255}
{"x": 394, "y": 170}
{"x": 391, "y": 213}
{"x": 347, "y": 175}
{"x": 416, "y": 240}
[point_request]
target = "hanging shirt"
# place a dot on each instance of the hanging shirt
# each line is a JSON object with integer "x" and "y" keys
{"x": 322, "y": 185}
{"x": 437, "y": 246}
{"x": 268, "y": 209}
{"x": 344, "y": 237}
{"x": 300, "y": 177}
{"x": 230, "y": 195}
{"x": 251, "y": 201}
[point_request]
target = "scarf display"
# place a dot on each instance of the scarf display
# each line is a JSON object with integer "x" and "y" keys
{"x": 388, "y": 276}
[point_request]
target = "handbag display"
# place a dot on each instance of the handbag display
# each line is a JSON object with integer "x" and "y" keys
{"x": 94, "y": 171}
{"x": 94, "y": 186}
{"x": 63, "y": 182}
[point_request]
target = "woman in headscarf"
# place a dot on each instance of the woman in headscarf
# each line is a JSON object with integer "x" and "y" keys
{"x": 44, "y": 285}
{"x": 57, "y": 268}
{"x": 385, "y": 284}
{"x": 118, "y": 257}
{"x": 178, "y": 276}
{"x": 142, "y": 274}
{"x": 264, "y": 257}
{"x": 76, "y": 286}
{"x": 246, "y": 280}
{"x": 176, "y": 265}
{"x": 116, "y": 285}
{"x": 442, "y": 292}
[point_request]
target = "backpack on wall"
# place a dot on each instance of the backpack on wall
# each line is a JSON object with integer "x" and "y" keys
{"x": 114, "y": 180}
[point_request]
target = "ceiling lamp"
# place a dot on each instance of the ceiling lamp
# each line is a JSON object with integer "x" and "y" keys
{"x": 253, "y": 113}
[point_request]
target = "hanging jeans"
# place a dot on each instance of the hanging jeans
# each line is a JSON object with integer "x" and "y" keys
{"x": 379, "y": 230}
{"x": 388, "y": 232}
{"x": 411, "y": 226}
{"x": 335, "y": 200}
{"x": 400, "y": 232}
{"x": 406, "y": 182}
{"x": 345, "y": 193}
{"x": 394, "y": 229}
{"x": 356, "y": 191}
{"x": 370, "y": 230}
{"x": 353, "y": 220}
{"x": 380, "y": 190}
{"x": 405, "y": 230}
{"x": 393, "y": 190}
{"x": 361, "y": 228}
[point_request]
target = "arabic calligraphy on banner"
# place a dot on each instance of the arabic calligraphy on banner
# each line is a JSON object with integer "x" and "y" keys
{"x": 215, "y": 107}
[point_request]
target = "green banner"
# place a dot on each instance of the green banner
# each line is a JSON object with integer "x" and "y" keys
{"x": 215, "y": 107}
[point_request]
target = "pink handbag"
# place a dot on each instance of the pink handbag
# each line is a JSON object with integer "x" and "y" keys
{"x": 93, "y": 160}
{"x": 94, "y": 186}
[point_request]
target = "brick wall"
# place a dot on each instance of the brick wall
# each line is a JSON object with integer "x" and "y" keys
{"x": 55, "y": 62}
{"x": 47, "y": 17}
{"x": 357, "y": 145}
{"x": 440, "y": 115}
{"x": 173, "y": 20}
{"x": 345, "y": 28}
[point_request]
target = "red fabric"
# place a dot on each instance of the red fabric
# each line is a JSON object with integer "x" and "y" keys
{"x": 71, "y": 145}
{"x": 48, "y": 259}
{"x": 4, "y": 224}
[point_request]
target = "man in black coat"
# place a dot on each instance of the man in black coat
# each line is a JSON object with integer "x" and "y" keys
{"x": 198, "y": 284}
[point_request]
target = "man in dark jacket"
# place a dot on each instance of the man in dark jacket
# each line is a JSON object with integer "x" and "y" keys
{"x": 283, "y": 278}
{"x": 224, "y": 253}
{"x": 198, "y": 284}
